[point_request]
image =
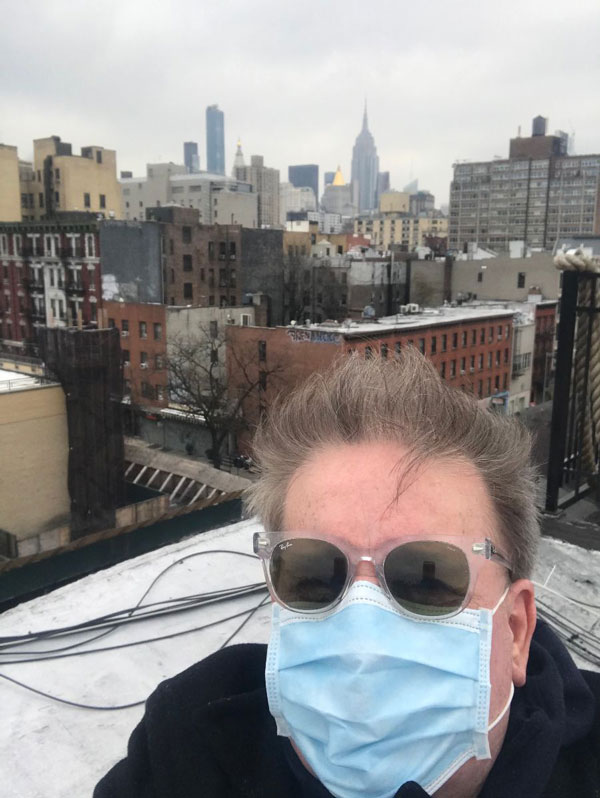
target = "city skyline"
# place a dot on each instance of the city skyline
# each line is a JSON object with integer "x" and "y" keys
{"x": 453, "y": 87}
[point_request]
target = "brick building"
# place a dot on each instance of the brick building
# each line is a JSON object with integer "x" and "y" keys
{"x": 200, "y": 262}
{"x": 543, "y": 366}
{"x": 471, "y": 348}
{"x": 49, "y": 277}
{"x": 143, "y": 349}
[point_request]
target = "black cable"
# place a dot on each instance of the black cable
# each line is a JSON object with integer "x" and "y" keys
{"x": 51, "y": 653}
{"x": 123, "y": 645}
{"x": 249, "y": 613}
{"x": 14, "y": 639}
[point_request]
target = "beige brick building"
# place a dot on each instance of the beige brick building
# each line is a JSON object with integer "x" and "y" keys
{"x": 265, "y": 182}
{"x": 10, "y": 192}
{"x": 61, "y": 181}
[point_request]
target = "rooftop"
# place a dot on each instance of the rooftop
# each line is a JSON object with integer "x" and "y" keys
{"x": 17, "y": 381}
{"x": 57, "y": 749}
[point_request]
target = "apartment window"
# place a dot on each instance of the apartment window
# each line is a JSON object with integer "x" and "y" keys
{"x": 125, "y": 326}
{"x": 497, "y": 382}
{"x": 159, "y": 362}
{"x": 521, "y": 280}
{"x": 157, "y": 331}
{"x": 489, "y": 386}
{"x": 444, "y": 342}
{"x": 125, "y": 356}
{"x": 479, "y": 277}
{"x": 443, "y": 370}
{"x": 368, "y": 353}
{"x": 480, "y": 389}
{"x": 506, "y": 355}
{"x": 143, "y": 358}
{"x": 211, "y": 300}
{"x": 491, "y": 335}
{"x": 87, "y": 203}
{"x": 187, "y": 291}
{"x": 422, "y": 346}
{"x": 262, "y": 351}
{"x": 186, "y": 235}
{"x": 127, "y": 387}
{"x": 499, "y": 332}
{"x": 507, "y": 330}
{"x": 103, "y": 200}
{"x": 453, "y": 368}
{"x": 111, "y": 323}
{"x": 41, "y": 199}
{"x": 504, "y": 381}
{"x": 454, "y": 340}
{"x": 433, "y": 344}
{"x": 143, "y": 329}
{"x": 464, "y": 338}
{"x": 171, "y": 247}
{"x": 463, "y": 365}
{"x": 497, "y": 357}
{"x": 262, "y": 380}
{"x": 172, "y": 275}
{"x": 211, "y": 250}
{"x": 384, "y": 351}
{"x": 202, "y": 276}
{"x": 398, "y": 347}
{"x": 187, "y": 263}
{"x": 489, "y": 360}
{"x": 214, "y": 329}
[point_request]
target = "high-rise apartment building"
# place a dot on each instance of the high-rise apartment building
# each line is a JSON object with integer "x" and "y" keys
{"x": 265, "y": 182}
{"x": 536, "y": 195}
{"x": 215, "y": 140}
{"x": 365, "y": 168}
{"x": 305, "y": 176}
{"x": 191, "y": 159}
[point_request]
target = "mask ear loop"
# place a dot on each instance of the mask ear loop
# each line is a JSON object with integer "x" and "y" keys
{"x": 501, "y": 599}
{"x": 505, "y": 709}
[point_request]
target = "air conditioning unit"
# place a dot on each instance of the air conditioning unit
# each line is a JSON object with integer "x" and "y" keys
{"x": 462, "y": 372}
{"x": 413, "y": 308}
{"x": 125, "y": 334}
{"x": 143, "y": 365}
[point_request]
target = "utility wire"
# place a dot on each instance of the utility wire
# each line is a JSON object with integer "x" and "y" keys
{"x": 122, "y": 617}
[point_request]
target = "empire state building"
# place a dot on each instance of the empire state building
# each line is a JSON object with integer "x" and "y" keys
{"x": 365, "y": 166}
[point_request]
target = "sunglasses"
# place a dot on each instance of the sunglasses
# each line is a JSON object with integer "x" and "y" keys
{"x": 423, "y": 578}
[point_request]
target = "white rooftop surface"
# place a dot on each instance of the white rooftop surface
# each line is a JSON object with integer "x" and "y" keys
{"x": 16, "y": 380}
{"x": 50, "y": 749}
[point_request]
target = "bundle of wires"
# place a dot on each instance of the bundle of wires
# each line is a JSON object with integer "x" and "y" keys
{"x": 73, "y": 640}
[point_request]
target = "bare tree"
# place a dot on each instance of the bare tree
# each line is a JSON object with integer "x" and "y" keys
{"x": 198, "y": 381}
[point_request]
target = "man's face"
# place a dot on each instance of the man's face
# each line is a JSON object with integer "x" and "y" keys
{"x": 351, "y": 491}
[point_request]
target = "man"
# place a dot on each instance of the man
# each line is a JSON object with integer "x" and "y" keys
{"x": 404, "y": 660}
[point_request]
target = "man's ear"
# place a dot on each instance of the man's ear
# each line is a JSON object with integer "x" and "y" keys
{"x": 521, "y": 620}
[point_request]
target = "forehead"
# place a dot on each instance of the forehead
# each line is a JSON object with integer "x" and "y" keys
{"x": 368, "y": 493}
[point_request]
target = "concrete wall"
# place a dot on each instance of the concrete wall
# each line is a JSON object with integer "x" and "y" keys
{"x": 33, "y": 469}
{"x": 520, "y": 384}
{"x": 10, "y": 195}
{"x": 179, "y": 436}
{"x": 131, "y": 261}
{"x": 499, "y": 277}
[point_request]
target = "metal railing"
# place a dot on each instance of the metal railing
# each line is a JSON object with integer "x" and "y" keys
{"x": 573, "y": 456}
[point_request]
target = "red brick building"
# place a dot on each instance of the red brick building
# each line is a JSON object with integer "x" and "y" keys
{"x": 49, "y": 277}
{"x": 143, "y": 349}
{"x": 545, "y": 330}
{"x": 471, "y": 348}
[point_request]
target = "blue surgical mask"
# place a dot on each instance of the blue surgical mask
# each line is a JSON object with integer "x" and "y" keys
{"x": 373, "y": 699}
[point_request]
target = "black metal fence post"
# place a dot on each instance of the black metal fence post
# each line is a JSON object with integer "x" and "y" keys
{"x": 563, "y": 375}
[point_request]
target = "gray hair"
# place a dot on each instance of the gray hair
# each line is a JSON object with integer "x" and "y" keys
{"x": 403, "y": 399}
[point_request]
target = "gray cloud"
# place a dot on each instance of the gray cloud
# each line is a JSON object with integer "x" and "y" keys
{"x": 444, "y": 80}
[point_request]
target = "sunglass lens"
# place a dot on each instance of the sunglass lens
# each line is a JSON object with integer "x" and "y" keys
{"x": 428, "y": 578}
{"x": 308, "y": 574}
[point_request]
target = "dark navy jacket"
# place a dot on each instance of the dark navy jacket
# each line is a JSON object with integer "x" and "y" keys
{"x": 207, "y": 733}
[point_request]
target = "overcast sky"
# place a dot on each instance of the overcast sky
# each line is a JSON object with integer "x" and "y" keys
{"x": 445, "y": 79}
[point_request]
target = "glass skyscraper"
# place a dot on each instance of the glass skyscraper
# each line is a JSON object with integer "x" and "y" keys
{"x": 215, "y": 140}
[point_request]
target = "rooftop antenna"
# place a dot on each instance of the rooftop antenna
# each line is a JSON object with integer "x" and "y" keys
{"x": 519, "y": 132}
